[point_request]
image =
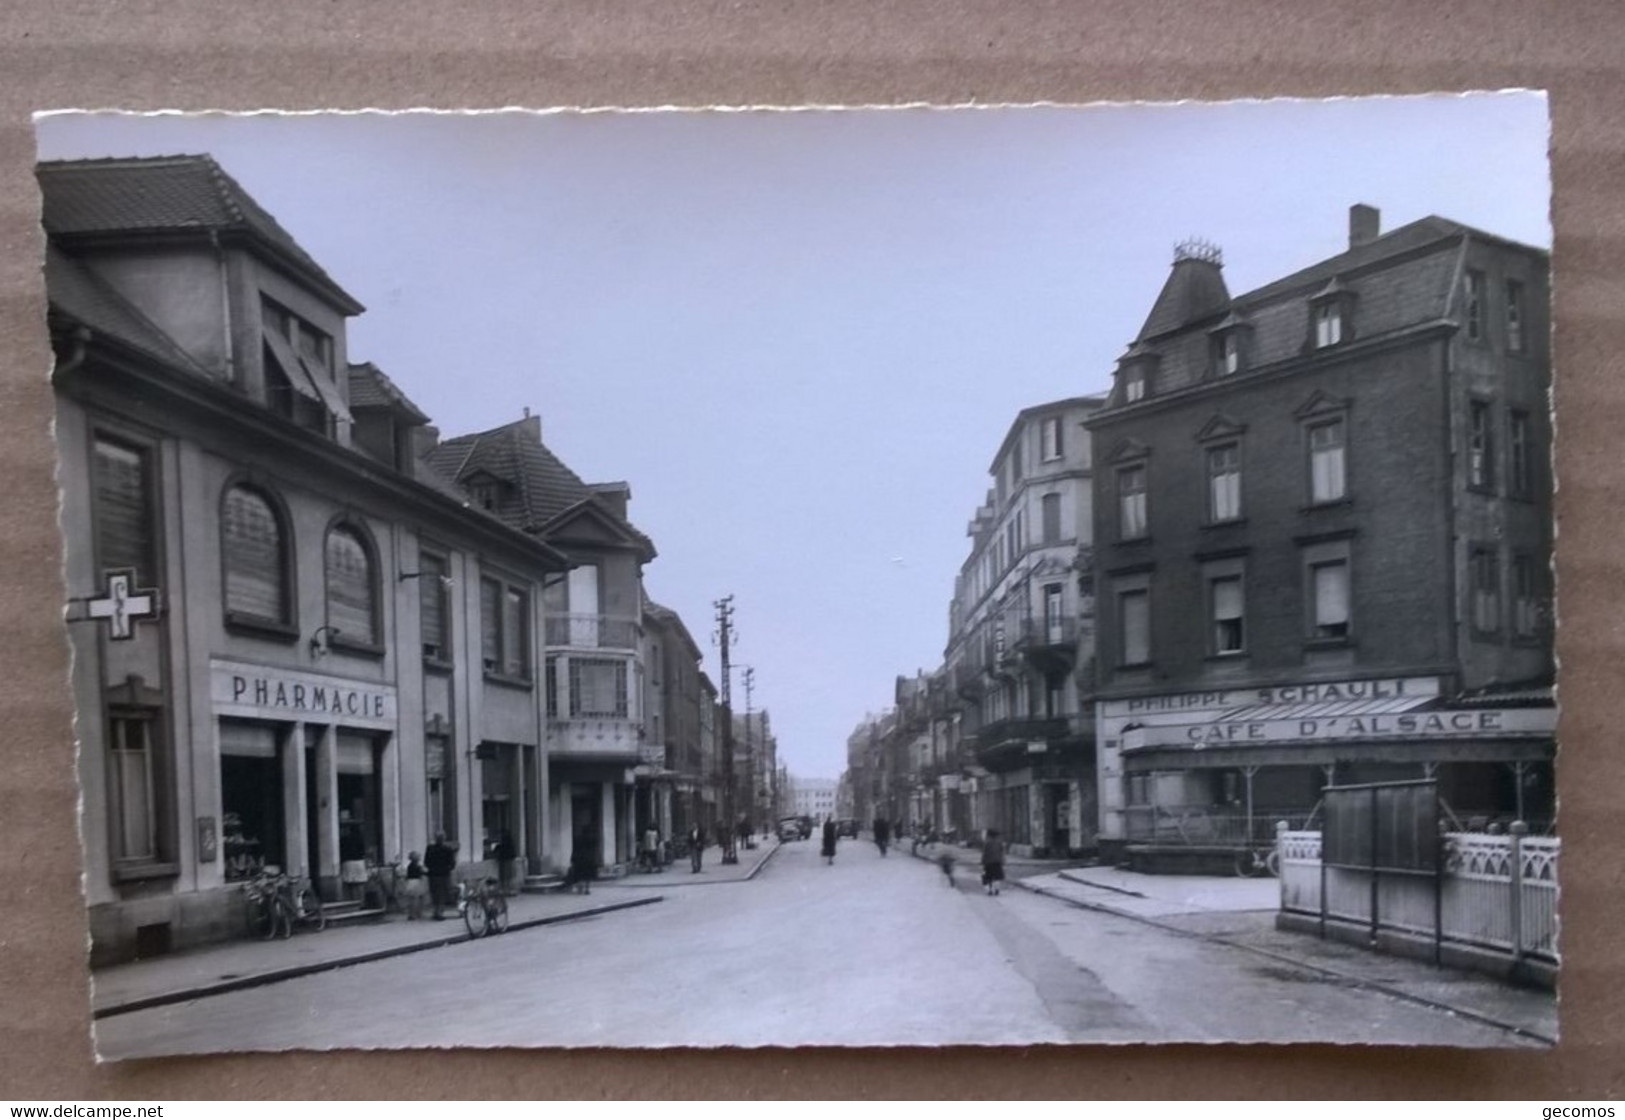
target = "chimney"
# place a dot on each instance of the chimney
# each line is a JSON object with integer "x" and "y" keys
{"x": 423, "y": 438}
{"x": 1365, "y": 224}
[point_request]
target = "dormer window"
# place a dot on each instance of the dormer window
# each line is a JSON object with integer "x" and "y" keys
{"x": 1331, "y": 316}
{"x": 1134, "y": 385}
{"x": 485, "y": 494}
{"x": 1226, "y": 354}
{"x": 1328, "y": 325}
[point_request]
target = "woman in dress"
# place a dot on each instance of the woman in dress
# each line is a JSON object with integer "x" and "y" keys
{"x": 830, "y": 837}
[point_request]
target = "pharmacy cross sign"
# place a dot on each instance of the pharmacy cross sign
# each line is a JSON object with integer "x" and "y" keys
{"x": 121, "y": 606}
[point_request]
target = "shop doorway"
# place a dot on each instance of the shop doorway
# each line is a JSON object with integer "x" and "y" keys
{"x": 357, "y": 761}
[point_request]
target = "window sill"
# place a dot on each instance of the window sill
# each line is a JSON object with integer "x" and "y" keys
{"x": 1329, "y": 503}
{"x": 437, "y": 664}
{"x": 135, "y": 873}
{"x": 1131, "y": 542}
{"x": 1227, "y": 523}
{"x": 256, "y": 627}
{"x": 508, "y": 680}
{"x": 1328, "y": 643}
{"x": 355, "y": 649}
{"x": 1239, "y": 655}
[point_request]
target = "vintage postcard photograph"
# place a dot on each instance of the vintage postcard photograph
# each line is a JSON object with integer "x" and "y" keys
{"x": 823, "y": 577}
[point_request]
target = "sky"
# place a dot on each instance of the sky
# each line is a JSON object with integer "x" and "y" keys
{"x": 801, "y": 336}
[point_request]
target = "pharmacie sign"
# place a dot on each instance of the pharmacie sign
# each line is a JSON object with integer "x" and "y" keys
{"x": 265, "y": 692}
{"x": 1476, "y": 723}
{"x": 1163, "y": 708}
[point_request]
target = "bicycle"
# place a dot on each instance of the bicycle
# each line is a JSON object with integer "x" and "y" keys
{"x": 483, "y": 907}
{"x": 1253, "y": 863}
{"x": 278, "y": 903}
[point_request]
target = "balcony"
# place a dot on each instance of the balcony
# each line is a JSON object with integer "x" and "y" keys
{"x": 1007, "y": 739}
{"x": 592, "y": 631}
{"x": 1050, "y": 645}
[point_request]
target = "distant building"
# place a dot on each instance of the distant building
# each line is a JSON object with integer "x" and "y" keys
{"x": 1322, "y": 527}
{"x": 813, "y": 797}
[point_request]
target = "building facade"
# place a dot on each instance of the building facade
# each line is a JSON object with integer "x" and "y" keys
{"x": 1322, "y": 526}
{"x": 277, "y": 610}
{"x": 1021, "y": 631}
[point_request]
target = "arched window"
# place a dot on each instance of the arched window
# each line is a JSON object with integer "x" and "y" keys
{"x": 352, "y": 599}
{"x": 254, "y": 546}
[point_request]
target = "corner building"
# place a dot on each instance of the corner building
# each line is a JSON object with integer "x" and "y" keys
{"x": 274, "y": 605}
{"x": 1323, "y": 536}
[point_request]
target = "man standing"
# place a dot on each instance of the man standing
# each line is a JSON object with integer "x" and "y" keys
{"x": 696, "y": 848}
{"x": 439, "y": 860}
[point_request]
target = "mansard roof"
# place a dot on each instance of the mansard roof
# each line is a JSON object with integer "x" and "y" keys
{"x": 104, "y": 200}
{"x": 76, "y": 293}
{"x": 542, "y": 494}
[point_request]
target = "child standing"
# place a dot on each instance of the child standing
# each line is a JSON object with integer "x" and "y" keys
{"x": 417, "y": 886}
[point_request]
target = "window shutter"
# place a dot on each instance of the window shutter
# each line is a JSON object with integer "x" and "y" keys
{"x": 514, "y": 661}
{"x": 432, "y": 605}
{"x": 252, "y": 543}
{"x": 491, "y": 625}
{"x": 124, "y": 514}
{"x": 1136, "y": 622}
{"x": 350, "y": 600}
{"x": 1332, "y": 595}
{"x": 1226, "y": 599}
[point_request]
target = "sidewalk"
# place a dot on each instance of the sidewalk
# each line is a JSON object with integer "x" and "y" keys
{"x": 1240, "y": 913}
{"x": 712, "y": 869}
{"x": 234, "y": 965}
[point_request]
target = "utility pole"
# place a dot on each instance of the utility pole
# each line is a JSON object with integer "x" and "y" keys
{"x": 752, "y": 764}
{"x": 725, "y": 615}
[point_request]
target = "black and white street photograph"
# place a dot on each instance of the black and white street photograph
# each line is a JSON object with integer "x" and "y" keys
{"x": 839, "y": 577}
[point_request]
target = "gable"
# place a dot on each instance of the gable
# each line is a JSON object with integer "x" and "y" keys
{"x": 1126, "y": 450}
{"x": 1219, "y": 427}
{"x": 1320, "y": 403}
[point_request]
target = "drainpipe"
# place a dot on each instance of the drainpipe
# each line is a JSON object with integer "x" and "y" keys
{"x": 225, "y": 307}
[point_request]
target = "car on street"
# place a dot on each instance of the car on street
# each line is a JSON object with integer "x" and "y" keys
{"x": 846, "y": 826}
{"x": 790, "y": 829}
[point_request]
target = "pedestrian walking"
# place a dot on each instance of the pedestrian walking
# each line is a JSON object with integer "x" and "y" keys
{"x": 696, "y": 849}
{"x": 992, "y": 861}
{"x": 882, "y": 835}
{"x": 583, "y": 864}
{"x": 417, "y": 886}
{"x": 651, "y": 847}
{"x": 439, "y": 861}
{"x": 831, "y": 835}
{"x": 503, "y": 852}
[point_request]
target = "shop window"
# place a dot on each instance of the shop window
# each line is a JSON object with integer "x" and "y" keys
{"x": 598, "y": 688}
{"x": 352, "y": 588}
{"x": 256, "y": 553}
{"x": 1224, "y": 482}
{"x": 125, "y": 511}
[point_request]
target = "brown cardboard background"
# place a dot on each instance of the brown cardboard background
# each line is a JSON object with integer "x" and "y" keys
{"x": 312, "y": 54}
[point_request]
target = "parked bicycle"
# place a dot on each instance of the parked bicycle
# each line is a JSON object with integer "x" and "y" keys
{"x": 278, "y": 903}
{"x": 1257, "y": 862}
{"x": 484, "y": 907}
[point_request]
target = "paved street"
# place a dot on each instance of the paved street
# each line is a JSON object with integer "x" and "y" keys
{"x": 868, "y": 952}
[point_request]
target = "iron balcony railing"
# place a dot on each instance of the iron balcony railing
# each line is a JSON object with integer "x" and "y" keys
{"x": 592, "y": 631}
{"x": 1021, "y": 730}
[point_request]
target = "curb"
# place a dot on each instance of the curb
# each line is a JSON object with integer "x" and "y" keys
{"x": 622, "y": 884}
{"x": 293, "y": 972}
{"x": 1298, "y": 962}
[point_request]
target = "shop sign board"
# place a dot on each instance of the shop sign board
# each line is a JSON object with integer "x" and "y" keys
{"x": 1472, "y": 723}
{"x": 268, "y": 692}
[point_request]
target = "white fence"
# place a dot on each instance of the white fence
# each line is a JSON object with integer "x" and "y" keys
{"x": 1496, "y": 892}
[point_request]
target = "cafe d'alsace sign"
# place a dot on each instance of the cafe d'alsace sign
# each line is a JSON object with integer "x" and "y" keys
{"x": 265, "y": 692}
{"x": 1474, "y": 723}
